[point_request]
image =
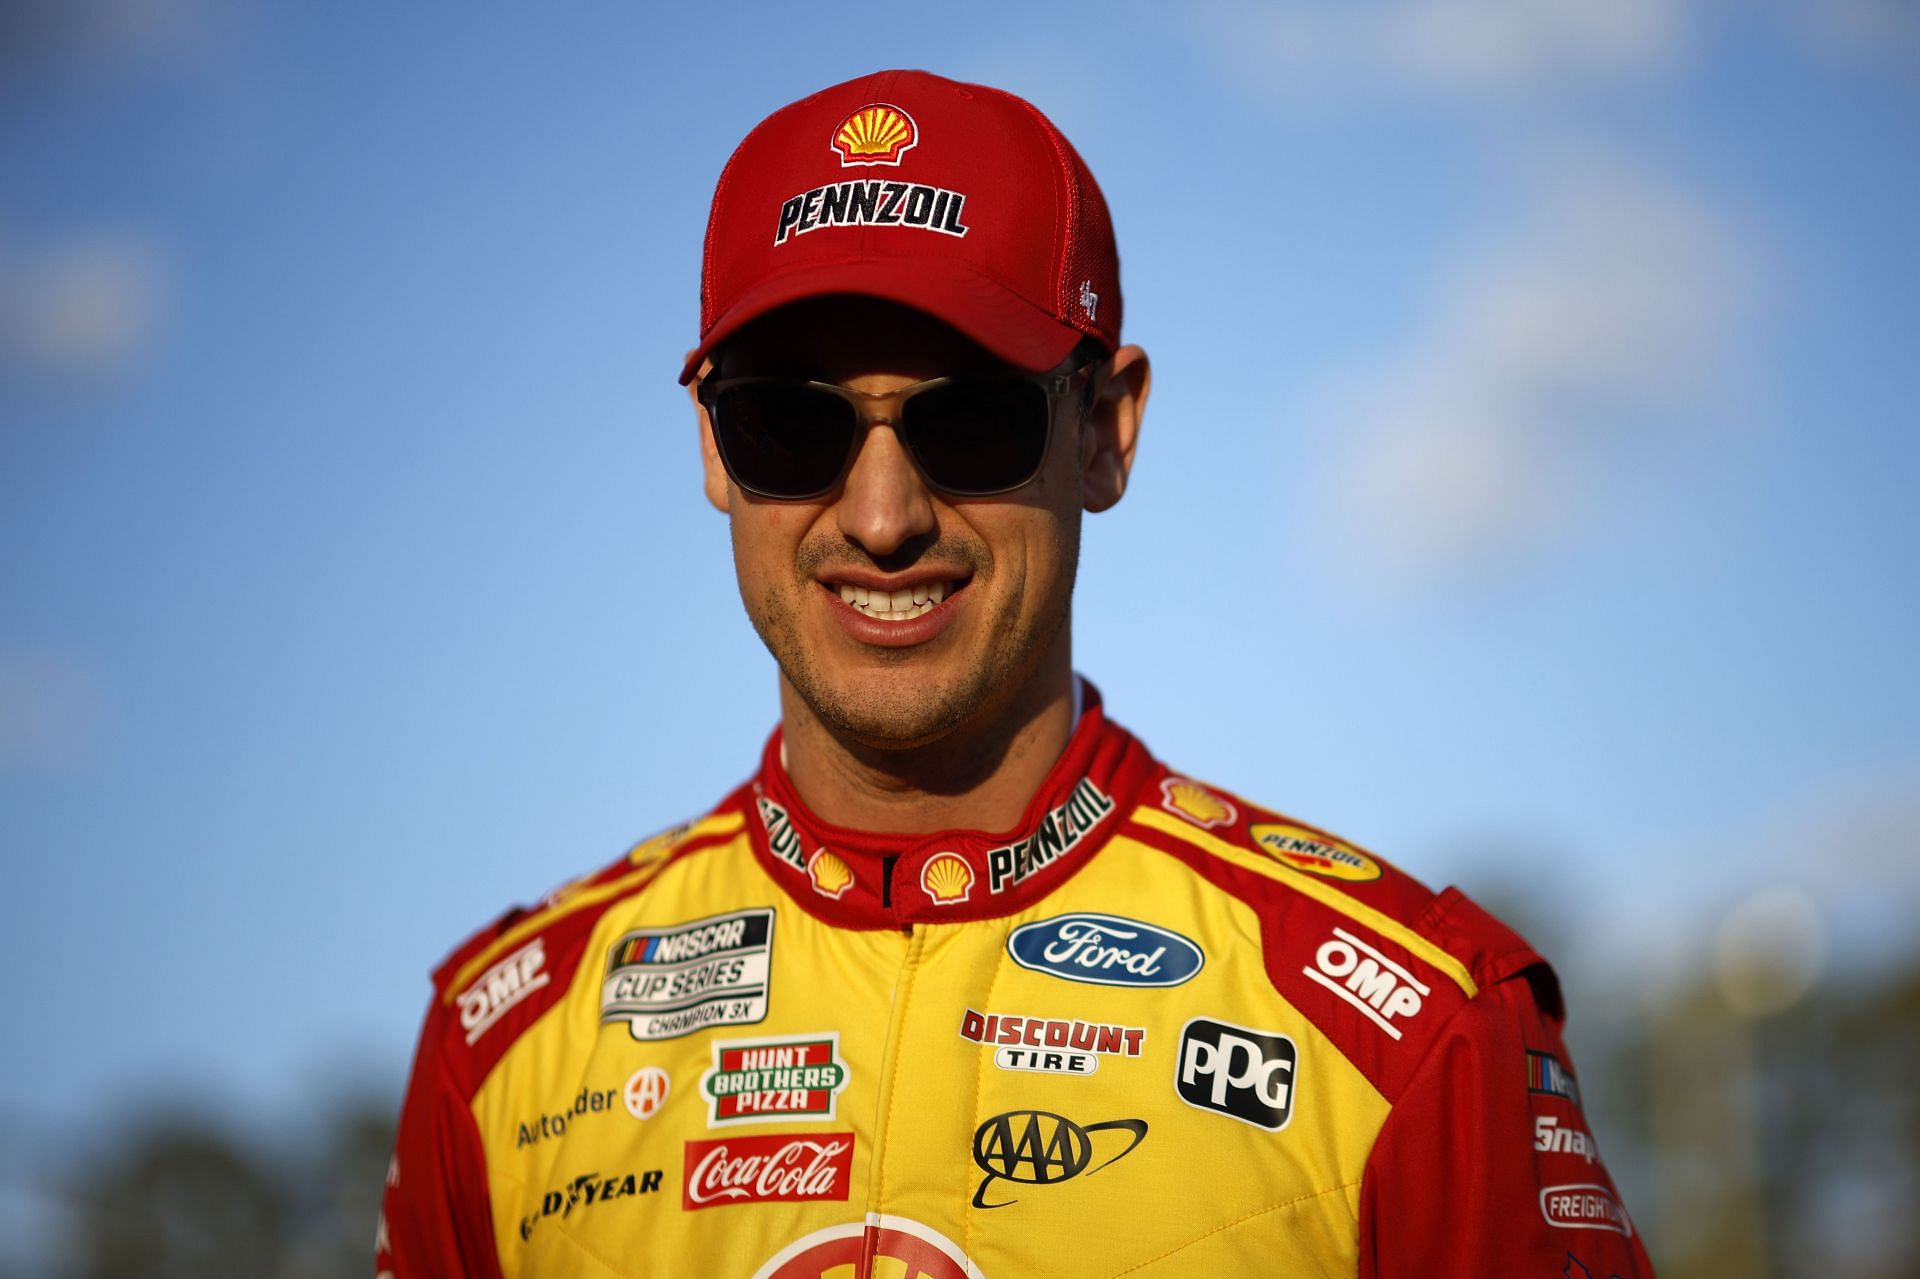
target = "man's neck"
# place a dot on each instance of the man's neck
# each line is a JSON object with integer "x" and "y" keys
{"x": 979, "y": 779}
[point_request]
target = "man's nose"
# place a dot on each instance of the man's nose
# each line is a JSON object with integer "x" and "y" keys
{"x": 884, "y": 503}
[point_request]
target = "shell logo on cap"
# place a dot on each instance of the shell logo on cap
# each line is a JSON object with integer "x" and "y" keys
{"x": 875, "y": 134}
{"x": 830, "y": 876}
{"x": 947, "y": 878}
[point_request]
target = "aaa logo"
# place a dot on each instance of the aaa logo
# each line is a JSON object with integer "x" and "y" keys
{"x": 1040, "y": 1148}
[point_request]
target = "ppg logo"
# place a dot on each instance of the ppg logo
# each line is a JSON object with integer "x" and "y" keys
{"x": 1245, "y": 1074}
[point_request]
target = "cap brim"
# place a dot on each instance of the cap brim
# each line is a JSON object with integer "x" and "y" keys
{"x": 1012, "y": 328}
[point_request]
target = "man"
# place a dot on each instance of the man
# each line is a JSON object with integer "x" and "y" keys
{"x": 963, "y": 981}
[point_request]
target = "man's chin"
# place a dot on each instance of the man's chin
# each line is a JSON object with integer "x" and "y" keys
{"x": 889, "y": 703}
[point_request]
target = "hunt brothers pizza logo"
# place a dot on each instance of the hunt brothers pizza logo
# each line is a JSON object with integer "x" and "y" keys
{"x": 1058, "y": 834}
{"x": 791, "y": 1168}
{"x": 757, "y": 1080}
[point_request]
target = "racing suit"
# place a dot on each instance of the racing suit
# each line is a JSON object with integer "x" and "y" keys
{"x": 1155, "y": 1030}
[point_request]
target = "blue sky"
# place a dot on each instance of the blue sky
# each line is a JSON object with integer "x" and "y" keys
{"x": 1527, "y": 488}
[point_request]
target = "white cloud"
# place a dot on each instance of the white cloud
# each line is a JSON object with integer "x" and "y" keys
{"x": 1611, "y": 314}
{"x": 88, "y": 305}
{"x": 1353, "y": 49}
{"x": 52, "y": 711}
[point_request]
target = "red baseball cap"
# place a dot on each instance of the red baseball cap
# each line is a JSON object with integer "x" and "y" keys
{"x": 959, "y": 200}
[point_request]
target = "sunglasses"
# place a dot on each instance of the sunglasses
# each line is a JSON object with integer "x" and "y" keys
{"x": 972, "y": 435}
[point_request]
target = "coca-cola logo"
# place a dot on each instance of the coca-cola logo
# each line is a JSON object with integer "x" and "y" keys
{"x": 785, "y": 1169}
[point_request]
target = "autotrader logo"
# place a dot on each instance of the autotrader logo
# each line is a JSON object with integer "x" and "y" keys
{"x": 1244, "y": 1074}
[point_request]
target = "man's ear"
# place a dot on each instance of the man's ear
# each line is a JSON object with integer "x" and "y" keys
{"x": 1112, "y": 429}
{"x": 719, "y": 491}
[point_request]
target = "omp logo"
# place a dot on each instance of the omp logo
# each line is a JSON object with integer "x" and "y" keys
{"x": 1367, "y": 979}
{"x": 502, "y": 986}
{"x": 1105, "y": 950}
{"x": 1584, "y": 1207}
{"x": 1040, "y": 1148}
{"x": 1235, "y": 1071}
{"x": 1549, "y": 1138}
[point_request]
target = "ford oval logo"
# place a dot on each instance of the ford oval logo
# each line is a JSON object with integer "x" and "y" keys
{"x": 1106, "y": 950}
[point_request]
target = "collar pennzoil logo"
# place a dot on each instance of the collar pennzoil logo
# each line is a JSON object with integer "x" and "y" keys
{"x": 669, "y": 982}
{"x": 879, "y": 133}
{"x": 1057, "y": 835}
{"x": 1311, "y": 851}
{"x": 1105, "y": 950}
{"x": 783, "y": 841}
{"x": 769, "y": 1080}
{"x": 1191, "y": 800}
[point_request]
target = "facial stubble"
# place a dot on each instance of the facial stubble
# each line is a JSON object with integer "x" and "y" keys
{"x": 914, "y": 711}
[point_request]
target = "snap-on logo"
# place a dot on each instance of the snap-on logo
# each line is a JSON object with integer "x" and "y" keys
{"x": 1105, "y": 950}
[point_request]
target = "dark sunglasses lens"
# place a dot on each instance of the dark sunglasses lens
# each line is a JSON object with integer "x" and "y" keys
{"x": 781, "y": 439}
{"x": 978, "y": 435}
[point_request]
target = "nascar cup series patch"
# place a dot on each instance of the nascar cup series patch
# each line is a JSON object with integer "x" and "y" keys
{"x": 669, "y": 982}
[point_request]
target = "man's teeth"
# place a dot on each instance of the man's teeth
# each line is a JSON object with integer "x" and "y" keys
{"x": 895, "y": 606}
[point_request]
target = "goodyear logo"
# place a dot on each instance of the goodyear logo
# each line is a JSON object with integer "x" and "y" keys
{"x": 879, "y": 133}
{"x": 1319, "y": 854}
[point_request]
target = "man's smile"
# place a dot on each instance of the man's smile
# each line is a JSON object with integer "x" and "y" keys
{"x": 894, "y": 609}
